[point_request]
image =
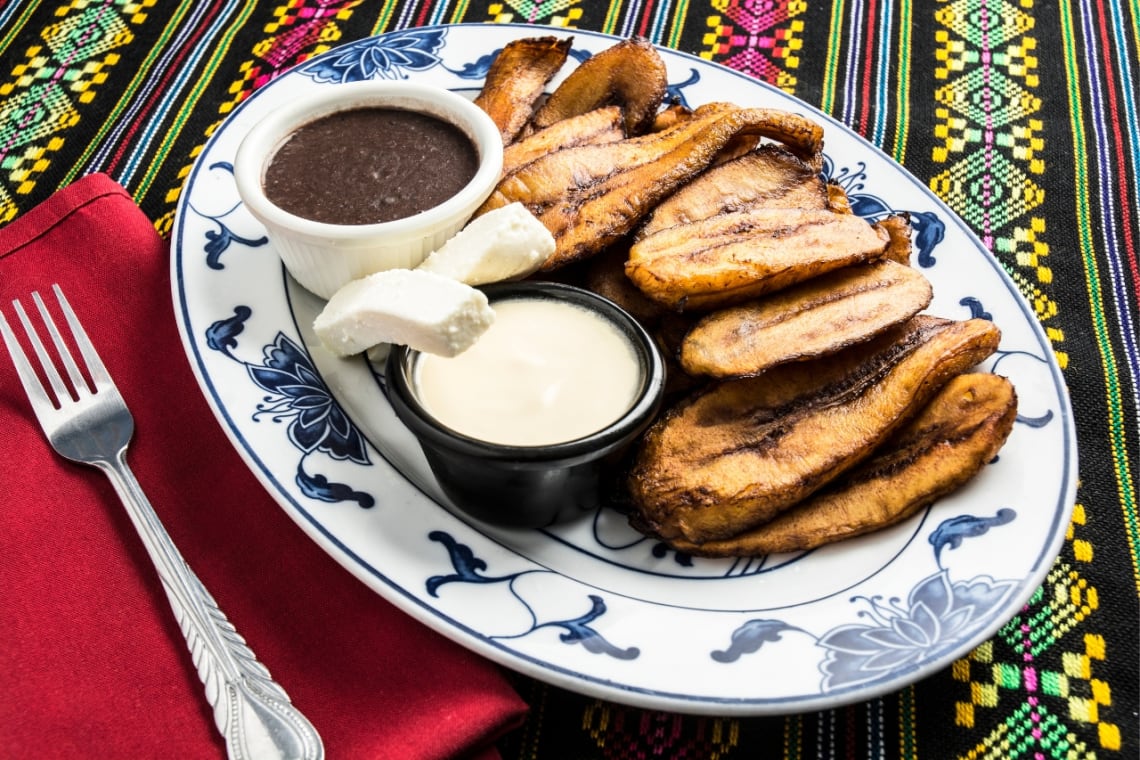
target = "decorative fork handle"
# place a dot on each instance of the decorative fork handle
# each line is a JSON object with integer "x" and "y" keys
{"x": 251, "y": 710}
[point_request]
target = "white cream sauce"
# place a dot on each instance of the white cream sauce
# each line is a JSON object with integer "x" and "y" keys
{"x": 544, "y": 372}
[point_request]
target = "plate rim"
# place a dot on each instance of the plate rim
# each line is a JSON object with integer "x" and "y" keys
{"x": 545, "y": 669}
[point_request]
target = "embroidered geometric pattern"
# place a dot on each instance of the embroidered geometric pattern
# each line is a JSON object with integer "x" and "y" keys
{"x": 988, "y": 130}
{"x": 1041, "y": 704}
{"x": 50, "y": 88}
{"x": 628, "y": 734}
{"x": 559, "y": 13}
{"x": 757, "y": 38}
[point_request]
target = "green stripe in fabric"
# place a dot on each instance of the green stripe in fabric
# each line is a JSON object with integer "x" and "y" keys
{"x": 140, "y": 77}
{"x": 460, "y": 12}
{"x": 609, "y": 26}
{"x": 1085, "y": 231}
{"x": 678, "y": 25}
{"x": 208, "y": 72}
{"x": 793, "y": 737}
{"x": 17, "y": 26}
{"x": 908, "y": 739}
{"x": 902, "y": 91}
{"x": 834, "y": 50}
{"x": 385, "y": 17}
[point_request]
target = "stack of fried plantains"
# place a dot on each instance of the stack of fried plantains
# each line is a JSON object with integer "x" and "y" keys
{"x": 811, "y": 398}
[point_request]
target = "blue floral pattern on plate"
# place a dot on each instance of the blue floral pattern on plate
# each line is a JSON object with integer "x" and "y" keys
{"x": 594, "y": 605}
{"x": 394, "y": 56}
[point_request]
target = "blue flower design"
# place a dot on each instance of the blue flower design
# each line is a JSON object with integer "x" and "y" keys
{"x": 749, "y": 637}
{"x": 952, "y": 532}
{"x": 297, "y": 394}
{"x": 469, "y": 569}
{"x": 218, "y": 241}
{"x": 317, "y": 423}
{"x": 674, "y": 91}
{"x": 939, "y": 615}
{"x": 928, "y": 229}
{"x": 579, "y": 631}
{"x": 385, "y": 57}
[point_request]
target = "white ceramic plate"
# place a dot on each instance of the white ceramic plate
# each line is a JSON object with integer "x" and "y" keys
{"x": 593, "y": 606}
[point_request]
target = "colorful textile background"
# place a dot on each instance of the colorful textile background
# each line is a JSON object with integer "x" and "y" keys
{"x": 1020, "y": 114}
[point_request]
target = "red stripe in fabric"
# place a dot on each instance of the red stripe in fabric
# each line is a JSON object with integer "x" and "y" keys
{"x": 868, "y": 66}
{"x": 643, "y": 26}
{"x": 421, "y": 19}
{"x": 1120, "y": 153}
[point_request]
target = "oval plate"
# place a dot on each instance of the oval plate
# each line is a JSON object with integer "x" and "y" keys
{"x": 594, "y": 606}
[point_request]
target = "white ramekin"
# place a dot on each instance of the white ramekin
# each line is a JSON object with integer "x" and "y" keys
{"x": 323, "y": 257}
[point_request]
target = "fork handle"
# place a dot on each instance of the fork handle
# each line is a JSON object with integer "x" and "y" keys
{"x": 251, "y": 710}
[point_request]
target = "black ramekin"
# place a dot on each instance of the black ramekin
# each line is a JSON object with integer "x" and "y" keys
{"x": 530, "y": 486}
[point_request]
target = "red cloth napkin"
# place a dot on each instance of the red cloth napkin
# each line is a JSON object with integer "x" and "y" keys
{"x": 92, "y": 663}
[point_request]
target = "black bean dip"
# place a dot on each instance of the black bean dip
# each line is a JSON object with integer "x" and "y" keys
{"x": 368, "y": 165}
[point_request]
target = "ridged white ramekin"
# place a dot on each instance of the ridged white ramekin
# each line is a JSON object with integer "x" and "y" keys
{"x": 323, "y": 257}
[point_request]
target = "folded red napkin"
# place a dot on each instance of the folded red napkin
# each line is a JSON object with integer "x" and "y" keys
{"x": 92, "y": 663}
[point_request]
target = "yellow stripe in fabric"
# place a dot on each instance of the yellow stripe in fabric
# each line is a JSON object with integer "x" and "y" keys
{"x": 793, "y": 737}
{"x": 609, "y": 26}
{"x": 834, "y": 49}
{"x": 902, "y": 93}
{"x": 17, "y": 26}
{"x": 459, "y": 12}
{"x": 1121, "y": 466}
{"x": 678, "y": 25}
{"x": 385, "y": 16}
{"x": 908, "y": 739}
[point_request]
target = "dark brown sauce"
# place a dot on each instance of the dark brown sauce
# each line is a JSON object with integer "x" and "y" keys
{"x": 369, "y": 165}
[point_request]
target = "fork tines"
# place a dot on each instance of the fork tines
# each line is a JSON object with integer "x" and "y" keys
{"x": 36, "y": 389}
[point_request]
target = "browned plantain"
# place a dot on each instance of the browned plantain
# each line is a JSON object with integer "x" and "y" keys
{"x": 769, "y": 176}
{"x": 945, "y": 446}
{"x": 738, "y": 454}
{"x": 602, "y": 125}
{"x": 817, "y": 317}
{"x": 591, "y": 196}
{"x": 674, "y": 113}
{"x": 605, "y": 275}
{"x": 630, "y": 74}
{"x": 737, "y": 255}
{"x": 669, "y": 116}
{"x": 837, "y": 199}
{"x": 901, "y": 236}
{"x": 516, "y": 80}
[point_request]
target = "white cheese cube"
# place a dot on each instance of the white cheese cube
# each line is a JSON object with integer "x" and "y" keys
{"x": 506, "y": 243}
{"x": 422, "y": 310}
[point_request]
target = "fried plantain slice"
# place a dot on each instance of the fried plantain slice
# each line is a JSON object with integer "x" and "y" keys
{"x": 837, "y": 199}
{"x": 816, "y": 317}
{"x": 736, "y": 455}
{"x": 517, "y": 78}
{"x": 669, "y": 116}
{"x": 769, "y": 175}
{"x": 602, "y": 125}
{"x": 945, "y": 446}
{"x": 630, "y": 74}
{"x": 605, "y": 275}
{"x": 737, "y": 255}
{"x": 900, "y": 233}
{"x": 592, "y": 196}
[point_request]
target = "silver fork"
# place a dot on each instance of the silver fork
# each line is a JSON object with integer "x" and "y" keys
{"x": 251, "y": 710}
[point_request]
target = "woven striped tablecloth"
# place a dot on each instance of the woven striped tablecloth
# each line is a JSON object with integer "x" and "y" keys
{"x": 1020, "y": 114}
